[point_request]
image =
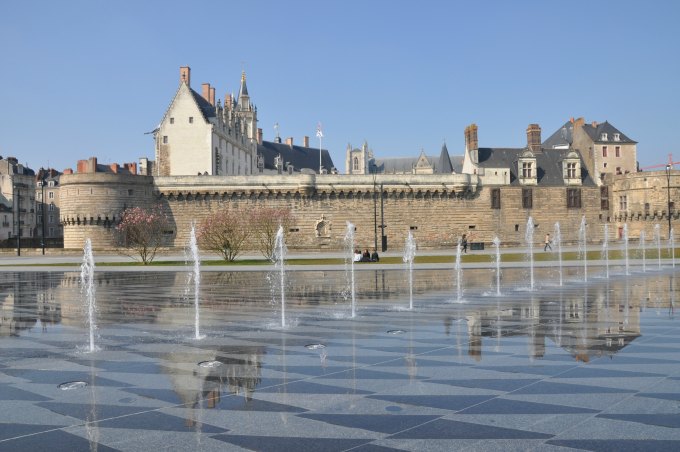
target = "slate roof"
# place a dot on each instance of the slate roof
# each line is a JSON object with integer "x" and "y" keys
{"x": 549, "y": 164}
{"x": 442, "y": 164}
{"x": 561, "y": 137}
{"x": 596, "y": 132}
{"x": 206, "y": 108}
{"x": 564, "y": 135}
{"x": 298, "y": 156}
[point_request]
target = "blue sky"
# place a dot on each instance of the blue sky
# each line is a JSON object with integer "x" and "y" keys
{"x": 89, "y": 78}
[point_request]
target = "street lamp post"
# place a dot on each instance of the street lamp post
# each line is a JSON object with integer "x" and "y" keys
{"x": 42, "y": 208}
{"x": 383, "y": 237}
{"x": 375, "y": 214}
{"x": 668, "y": 197}
{"x": 17, "y": 195}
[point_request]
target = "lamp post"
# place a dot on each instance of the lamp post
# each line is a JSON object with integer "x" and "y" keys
{"x": 17, "y": 195}
{"x": 668, "y": 194}
{"x": 375, "y": 213}
{"x": 383, "y": 237}
{"x": 42, "y": 208}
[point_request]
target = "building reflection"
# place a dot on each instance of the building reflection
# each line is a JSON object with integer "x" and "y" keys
{"x": 232, "y": 370}
{"x": 27, "y": 300}
{"x": 587, "y": 326}
{"x": 596, "y": 320}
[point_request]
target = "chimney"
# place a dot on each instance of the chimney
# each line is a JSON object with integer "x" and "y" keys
{"x": 228, "y": 101}
{"x": 289, "y": 141}
{"x": 114, "y": 167}
{"x": 259, "y": 135}
{"x": 212, "y": 97}
{"x": 467, "y": 137}
{"x": 185, "y": 75}
{"x": 305, "y": 141}
{"x": 474, "y": 144}
{"x": 534, "y": 138}
{"x": 205, "y": 91}
{"x": 68, "y": 171}
{"x": 594, "y": 124}
{"x": 579, "y": 122}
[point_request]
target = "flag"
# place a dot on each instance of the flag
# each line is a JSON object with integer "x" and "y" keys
{"x": 319, "y": 132}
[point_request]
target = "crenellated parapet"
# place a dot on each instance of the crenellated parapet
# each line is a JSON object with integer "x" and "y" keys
{"x": 311, "y": 185}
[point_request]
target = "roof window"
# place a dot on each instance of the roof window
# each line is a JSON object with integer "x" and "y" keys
{"x": 617, "y": 137}
{"x": 603, "y": 137}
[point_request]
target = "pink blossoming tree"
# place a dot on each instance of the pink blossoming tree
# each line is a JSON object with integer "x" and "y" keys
{"x": 225, "y": 232}
{"x": 141, "y": 231}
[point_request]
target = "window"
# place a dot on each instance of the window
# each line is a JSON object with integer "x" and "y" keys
{"x": 356, "y": 164}
{"x": 191, "y": 119}
{"x": 617, "y": 151}
{"x": 604, "y": 198}
{"x": 623, "y": 203}
{"x": 604, "y": 151}
{"x": 50, "y": 195}
{"x": 130, "y": 192}
{"x": 573, "y": 198}
{"x": 617, "y": 137}
{"x": 618, "y": 170}
{"x": 165, "y": 139}
{"x": 50, "y": 219}
{"x": 40, "y": 219}
{"x": 603, "y": 137}
{"x": 526, "y": 169}
{"x": 172, "y": 120}
{"x": 495, "y": 198}
{"x": 51, "y": 207}
{"x": 51, "y": 232}
{"x": 571, "y": 170}
{"x": 527, "y": 198}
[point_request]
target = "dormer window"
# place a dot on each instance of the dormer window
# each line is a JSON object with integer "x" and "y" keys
{"x": 571, "y": 169}
{"x": 527, "y": 168}
{"x": 603, "y": 137}
{"x": 617, "y": 137}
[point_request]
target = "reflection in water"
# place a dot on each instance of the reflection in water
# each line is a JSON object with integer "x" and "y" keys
{"x": 202, "y": 387}
{"x": 598, "y": 319}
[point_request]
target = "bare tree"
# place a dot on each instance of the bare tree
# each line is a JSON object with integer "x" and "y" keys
{"x": 224, "y": 231}
{"x": 265, "y": 223}
{"x": 141, "y": 231}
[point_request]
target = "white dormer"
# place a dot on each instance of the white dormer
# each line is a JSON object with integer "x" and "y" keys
{"x": 603, "y": 137}
{"x": 527, "y": 169}
{"x": 617, "y": 137}
{"x": 571, "y": 169}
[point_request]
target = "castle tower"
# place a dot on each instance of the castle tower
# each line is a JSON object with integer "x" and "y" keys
{"x": 246, "y": 109}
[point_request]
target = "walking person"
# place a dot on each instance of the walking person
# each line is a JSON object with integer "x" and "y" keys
{"x": 463, "y": 242}
{"x": 547, "y": 243}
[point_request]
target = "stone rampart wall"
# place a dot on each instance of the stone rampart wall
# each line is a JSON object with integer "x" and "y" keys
{"x": 435, "y": 209}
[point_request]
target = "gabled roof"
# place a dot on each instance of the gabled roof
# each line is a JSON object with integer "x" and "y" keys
{"x": 564, "y": 135}
{"x": 298, "y": 156}
{"x": 595, "y": 133}
{"x": 206, "y": 107}
{"x": 549, "y": 163}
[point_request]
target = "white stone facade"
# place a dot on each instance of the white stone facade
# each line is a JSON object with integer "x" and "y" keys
{"x": 200, "y": 137}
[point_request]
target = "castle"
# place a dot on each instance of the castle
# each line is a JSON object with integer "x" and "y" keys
{"x": 209, "y": 156}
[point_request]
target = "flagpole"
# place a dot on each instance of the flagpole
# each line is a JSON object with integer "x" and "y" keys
{"x": 319, "y": 133}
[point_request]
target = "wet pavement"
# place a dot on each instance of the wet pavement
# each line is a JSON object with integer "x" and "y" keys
{"x": 593, "y": 364}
